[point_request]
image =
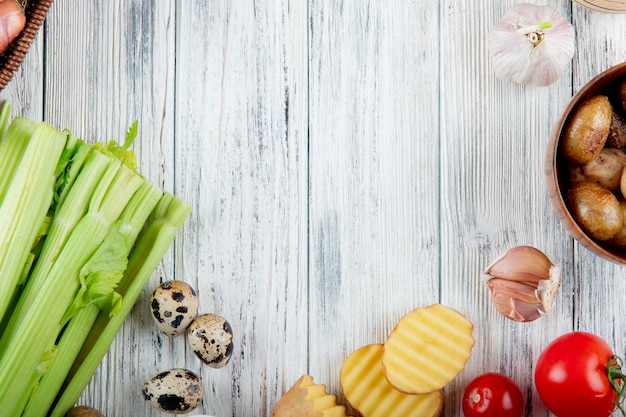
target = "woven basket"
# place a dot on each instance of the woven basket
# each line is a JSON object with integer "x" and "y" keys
{"x": 10, "y": 61}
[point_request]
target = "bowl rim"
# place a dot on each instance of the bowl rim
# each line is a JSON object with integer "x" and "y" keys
{"x": 553, "y": 174}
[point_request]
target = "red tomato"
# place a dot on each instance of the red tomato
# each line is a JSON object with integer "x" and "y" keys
{"x": 493, "y": 395}
{"x": 572, "y": 377}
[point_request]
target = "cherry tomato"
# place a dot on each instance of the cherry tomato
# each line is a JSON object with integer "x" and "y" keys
{"x": 572, "y": 376}
{"x": 493, "y": 395}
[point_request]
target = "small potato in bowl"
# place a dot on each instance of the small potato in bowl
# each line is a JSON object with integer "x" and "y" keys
{"x": 596, "y": 210}
{"x": 587, "y": 130}
{"x": 605, "y": 170}
{"x": 619, "y": 240}
{"x": 617, "y": 131}
{"x": 621, "y": 95}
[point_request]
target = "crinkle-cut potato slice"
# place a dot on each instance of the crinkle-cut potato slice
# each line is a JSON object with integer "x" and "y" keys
{"x": 307, "y": 399}
{"x": 427, "y": 349}
{"x": 369, "y": 393}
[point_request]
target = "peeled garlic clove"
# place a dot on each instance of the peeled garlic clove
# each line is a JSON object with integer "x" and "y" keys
{"x": 532, "y": 44}
{"x": 523, "y": 283}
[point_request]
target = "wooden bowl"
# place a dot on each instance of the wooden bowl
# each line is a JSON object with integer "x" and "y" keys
{"x": 556, "y": 165}
{"x": 11, "y": 59}
{"x": 605, "y": 6}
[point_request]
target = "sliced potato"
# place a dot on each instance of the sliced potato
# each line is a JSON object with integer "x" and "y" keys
{"x": 427, "y": 349}
{"x": 369, "y": 393}
{"x": 307, "y": 399}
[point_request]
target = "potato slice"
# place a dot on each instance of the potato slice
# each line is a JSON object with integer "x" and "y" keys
{"x": 369, "y": 393}
{"x": 306, "y": 399}
{"x": 427, "y": 349}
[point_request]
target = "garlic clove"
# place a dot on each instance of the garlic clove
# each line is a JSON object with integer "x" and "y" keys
{"x": 523, "y": 283}
{"x": 516, "y": 300}
{"x": 521, "y": 263}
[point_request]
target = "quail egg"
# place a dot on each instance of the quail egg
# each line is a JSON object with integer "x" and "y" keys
{"x": 174, "y": 306}
{"x": 176, "y": 391}
{"x": 211, "y": 339}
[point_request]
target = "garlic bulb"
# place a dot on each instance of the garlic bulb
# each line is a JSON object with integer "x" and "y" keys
{"x": 531, "y": 45}
{"x": 523, "y": 283}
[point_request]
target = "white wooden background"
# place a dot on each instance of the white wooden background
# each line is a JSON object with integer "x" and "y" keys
{"x": 347, "y": 161}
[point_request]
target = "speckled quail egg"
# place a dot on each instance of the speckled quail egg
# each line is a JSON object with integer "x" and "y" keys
{"x": 176, "y": 391}
{"x": 211, "y": 339}
{"x": 174, "y": 306}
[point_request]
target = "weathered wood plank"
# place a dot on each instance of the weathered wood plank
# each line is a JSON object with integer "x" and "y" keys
{"x": 374, "y": 163}
{"x": 241, "y": 160}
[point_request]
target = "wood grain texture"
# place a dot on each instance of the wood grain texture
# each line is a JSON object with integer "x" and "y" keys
{"x": 241, "y": 154}
{"x": 374, "y": 166}
{"x": 347, "y": 161}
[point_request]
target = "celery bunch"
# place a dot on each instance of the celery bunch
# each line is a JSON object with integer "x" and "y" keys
{"x": 81, "y": 232}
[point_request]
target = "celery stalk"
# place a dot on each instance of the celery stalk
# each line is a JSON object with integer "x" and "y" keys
{"x": 26, "y": 202}
{"x": 128, "y": 226}
{"x": 12, "y": 149}
{"x": 65, "y": 220}
{"x": 73, "y": 159}
{"x": 57, "y": 292}
{"x": 5, "y": 115}
{"x": 168, "y": 217}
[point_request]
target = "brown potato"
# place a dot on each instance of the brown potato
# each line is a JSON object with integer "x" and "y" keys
{"x": 596, "y": 210}
{"x": 605, "y": 170}
{"x": 621, "y": 95}
{"x": 617, "y": 131}
{"x": 587, "y": 130}
{"x": 619, "y": 240}
{"x": 83, "y": 411}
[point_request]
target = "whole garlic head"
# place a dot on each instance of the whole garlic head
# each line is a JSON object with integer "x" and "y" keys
{"x": 532, "y": 44}
{"x": 523, "y": 283}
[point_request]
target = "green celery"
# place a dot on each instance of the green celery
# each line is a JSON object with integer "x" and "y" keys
{"x": 26, "y": 201}
{"x": 88, "y": 304}
{"x": 33, "y": 383}
{"x": 167, "y": 218}
{"x": 112, "y": 194}
{"x": 74, "y": 157}
{"x": 65, "y": 220}
{"x": 5, "y": 116}
{"x": 12, "y": 149}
